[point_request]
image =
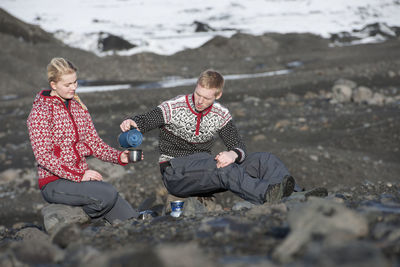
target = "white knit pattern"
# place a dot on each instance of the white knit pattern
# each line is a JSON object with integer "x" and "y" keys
{"x": 182, "y": 121}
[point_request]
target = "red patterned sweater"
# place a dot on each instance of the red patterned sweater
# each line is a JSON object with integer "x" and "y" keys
{"x": 62, "y": 138}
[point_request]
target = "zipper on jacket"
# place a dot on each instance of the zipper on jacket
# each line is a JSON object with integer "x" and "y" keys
{"x": 76, "y": 131}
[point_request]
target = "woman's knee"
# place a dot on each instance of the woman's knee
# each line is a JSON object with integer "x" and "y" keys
{"x": 106, "y": 196}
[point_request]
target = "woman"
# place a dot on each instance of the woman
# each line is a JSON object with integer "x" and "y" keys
{"x": 62, "y": 135}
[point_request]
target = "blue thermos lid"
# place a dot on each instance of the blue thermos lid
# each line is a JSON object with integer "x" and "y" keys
{"x": 131, "y": 138}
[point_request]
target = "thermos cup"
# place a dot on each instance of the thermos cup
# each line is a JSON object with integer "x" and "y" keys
{"x": 135, "y": 155}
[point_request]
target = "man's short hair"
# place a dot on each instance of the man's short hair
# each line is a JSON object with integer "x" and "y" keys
{"x": 211, "y": 79}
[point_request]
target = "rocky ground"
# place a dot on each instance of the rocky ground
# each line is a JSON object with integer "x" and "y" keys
{"x": 334, "y": 120}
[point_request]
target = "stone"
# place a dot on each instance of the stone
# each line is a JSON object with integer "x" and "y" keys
{"x": 377, "y": 99}
{"x": 381, "y": 230}
{"x": 242, "y": 205}
{"x": 266, "y": 208}
{"x": 36, "y": 252}
{"x": 362, "y": 94}
{"x": 32, "y": 233}
{"x": 252, "y": 100}
{"x": 3, "y": 229}
{"x": 224, "y": 227}
{"x": 202, "y": 27}
{"x": 319, "y": 217}
{"x": 282, "y": 124}
{"x": 6, "y": 260}
{"x": 84, "y": 255}
{"x": 9, "y": 175}
{"x": 349, "y": 254}
{"x": 342, "y": 93}
{"x": 56, "y": 216}
{"x": 182, "y": 255}
{"x": 259, "y": 137}
{"x": 127, "y": 256}
{"x": 347, "y": 83}
{"x": 292, "y": 97}
{"x": 110, "y": 42}
{"x": 193, "y": 207}
{"x": 69, "y": 233}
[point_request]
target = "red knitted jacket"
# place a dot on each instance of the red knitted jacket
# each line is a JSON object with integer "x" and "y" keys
{"x": 62, "y": 138}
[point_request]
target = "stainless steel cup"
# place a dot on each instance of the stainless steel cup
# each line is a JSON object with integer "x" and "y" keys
{"x": 135, "y": 155}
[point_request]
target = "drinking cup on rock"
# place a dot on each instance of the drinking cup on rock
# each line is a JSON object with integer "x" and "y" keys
{"x": 176, "y": 208}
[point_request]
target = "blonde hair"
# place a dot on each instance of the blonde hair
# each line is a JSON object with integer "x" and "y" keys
{"x": 211, "y": 79}
{"x": 58, "y": 67}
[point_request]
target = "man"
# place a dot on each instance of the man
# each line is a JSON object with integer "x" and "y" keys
{"x": 188, "y": 125}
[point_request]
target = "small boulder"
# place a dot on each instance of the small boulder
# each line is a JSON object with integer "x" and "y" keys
{"x": 377, "y": 99}
{"x": 342, "y": 92}
{"x": 362, "y": 94}
{"x": 9, "y": 175}
{"x": 32, "y": 233}
{"x": 323, "y": 218}
{"x": 37, "y": 252}
{"x": 55, "y": 216}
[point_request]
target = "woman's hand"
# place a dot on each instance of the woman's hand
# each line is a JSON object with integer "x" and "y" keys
{"x": 124, "y": 157}
{"x": 127, "y": 124}
{"x": 91, "y": 175}
{"x": 225, "y": 158}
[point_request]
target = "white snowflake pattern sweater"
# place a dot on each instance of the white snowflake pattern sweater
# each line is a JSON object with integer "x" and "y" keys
{"x": 184, "y": 131}
{"x": 62, "y": 137}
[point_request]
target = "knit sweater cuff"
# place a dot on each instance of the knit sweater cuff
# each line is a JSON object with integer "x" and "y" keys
{"x": 240, "y": 154}
{"x": 119, "y": 159}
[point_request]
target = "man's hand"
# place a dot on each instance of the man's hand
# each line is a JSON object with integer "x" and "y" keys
{"x": 91, "y": 175}
{"x": 127, "y": 124}
{"x": 225, "y": 158}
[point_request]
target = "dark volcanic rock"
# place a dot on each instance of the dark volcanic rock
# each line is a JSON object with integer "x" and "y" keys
{"x": 110, "y": 42}
{"x": 202, "y": 27}
{"x": 381, "y": 30}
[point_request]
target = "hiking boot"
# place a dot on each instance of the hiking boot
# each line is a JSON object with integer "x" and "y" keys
{"x": 276, "y": 192}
